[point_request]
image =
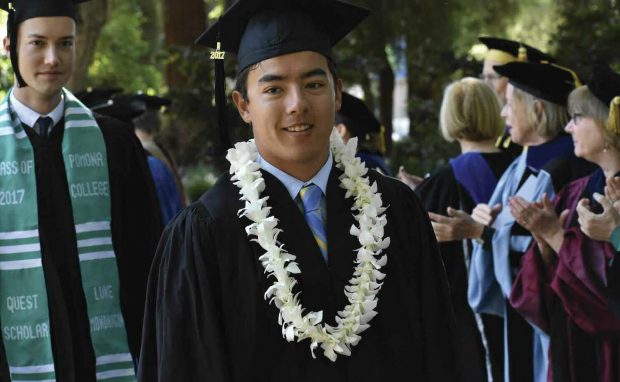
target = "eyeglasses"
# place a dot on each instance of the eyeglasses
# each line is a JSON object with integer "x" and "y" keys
{"x": 576, "y": 117}
{"x": 489, "y": 77}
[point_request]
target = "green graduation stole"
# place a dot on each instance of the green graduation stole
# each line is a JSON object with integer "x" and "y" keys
{"x": 24, "y": 315}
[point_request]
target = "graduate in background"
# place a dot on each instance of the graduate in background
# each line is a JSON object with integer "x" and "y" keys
{"x": 130, "y": 108}
{"x": 502, "y": 51}
{"x": 247, "y": 279}
{"x": 470, "y": 114}
{"x": 561, "y": 284}
{"x": 147, "y": 126}
{"x": 80, "y": 220}
{"x": 536, "y": 113}
{"x": 356, "y": 120}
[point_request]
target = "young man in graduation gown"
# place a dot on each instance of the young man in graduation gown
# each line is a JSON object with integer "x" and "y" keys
{"x": 248, "y": 295}
{"x": 80, "y": 220}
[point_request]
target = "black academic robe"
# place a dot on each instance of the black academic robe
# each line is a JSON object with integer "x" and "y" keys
{"x": 136, "y": 226}
{"x": 207, "y": 319}
{"x": 613, "y": 287}
{"x": 438, "y": 192}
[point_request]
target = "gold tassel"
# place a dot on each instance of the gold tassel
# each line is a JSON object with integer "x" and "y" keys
{"x": 522, "y": 54}
{"x": 613, "y": 123}
{"x": 576, "y": 79}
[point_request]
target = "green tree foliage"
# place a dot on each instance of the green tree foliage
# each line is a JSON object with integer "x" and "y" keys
{"x": 121, "y": 48}
{"x": 589, "y": 31}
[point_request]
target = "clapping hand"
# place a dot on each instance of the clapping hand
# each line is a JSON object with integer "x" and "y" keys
{"x": 458, "y": 225}
{"x": 599, "y": 226}
{"x": 485, "y": 214}
{"x": 541, "y": 220}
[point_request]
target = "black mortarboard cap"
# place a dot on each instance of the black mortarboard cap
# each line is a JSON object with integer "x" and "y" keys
{"x": 124, "y": 107}
{"x": 22, "y": 10}
{"x": 357, "y": 117}
{"x": 152, "y": 102}
{"x": 550, "y": 82}
{"x": 604, "y": 83}
{"x": 521, "y": 52}
{"x": 257, "y": 30}
{"x": 96, "y": 96}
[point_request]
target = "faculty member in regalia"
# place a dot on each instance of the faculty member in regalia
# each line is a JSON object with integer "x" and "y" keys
{"x": 561, "y": 286}
{"x": 536, "y": 113}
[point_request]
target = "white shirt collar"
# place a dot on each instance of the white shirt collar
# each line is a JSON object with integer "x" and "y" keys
{"x": 294, "y": 185}
{"x": 29, "y": 117}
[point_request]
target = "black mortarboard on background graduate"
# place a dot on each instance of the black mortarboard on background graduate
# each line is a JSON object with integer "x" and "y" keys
{"x": 96, "y": 96}
{"x": 550, "y": 82}
{"x": 22, "y": 10}
{"x": 505, "y": 51}
{"x": 361, "y": 122}
{"x": 152, "y": 102}
{"x": 257, "y": 30}
{"x": 357, "y": 117}
{"x": 124, "y": 107}
{"x": 604, "y": 83}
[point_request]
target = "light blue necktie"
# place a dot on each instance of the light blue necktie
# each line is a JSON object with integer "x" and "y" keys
{"x": 311, "y": 197}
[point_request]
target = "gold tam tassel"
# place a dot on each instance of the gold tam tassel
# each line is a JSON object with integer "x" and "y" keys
{"x": 613, "y": 123}
{"x": 522, "y": 54}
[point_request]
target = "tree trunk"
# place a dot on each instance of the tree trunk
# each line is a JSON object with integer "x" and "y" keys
{"x": 152, "y": 28}
{"x": 92, "y": 17}
{"x": 185, "y": 21}
{"x": 386, "y": 102}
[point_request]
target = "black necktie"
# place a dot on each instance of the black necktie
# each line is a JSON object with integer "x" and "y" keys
{"x": 42, "y": 126}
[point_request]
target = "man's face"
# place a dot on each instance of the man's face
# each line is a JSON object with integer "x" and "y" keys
{"x": 494, "y": 80}
{"x": 292, "y": 100}
{"x": 46, "y": 52}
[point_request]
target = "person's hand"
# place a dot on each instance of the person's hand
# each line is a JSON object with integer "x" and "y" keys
{"x": 410, "y": 180}
{"x": 485, "y": 214}
{"x": 540, "y": 219}
{"x": 612, "y": 189}
{"x": 458, "y": 225}
{"x": 598, "y": 226}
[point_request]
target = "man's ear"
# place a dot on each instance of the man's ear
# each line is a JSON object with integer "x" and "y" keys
{"x": 339, "y": 85}
{"x": 242, "y": 106}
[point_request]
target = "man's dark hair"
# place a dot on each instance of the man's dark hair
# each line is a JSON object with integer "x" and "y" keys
{"x": 241, "y": 83}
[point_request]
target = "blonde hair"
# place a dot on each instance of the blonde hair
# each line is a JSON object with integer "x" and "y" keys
{"x": 581, "y": 100}
{"x": 470, "y": 110}
{"x": 551, "y": 120}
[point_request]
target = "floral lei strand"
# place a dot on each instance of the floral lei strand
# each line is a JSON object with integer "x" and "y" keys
{"x": 366, "y": 282}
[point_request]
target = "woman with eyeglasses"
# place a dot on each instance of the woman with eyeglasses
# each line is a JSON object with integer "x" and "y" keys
{"x": 561, "y": 285}
{"x": 536, "y": 113}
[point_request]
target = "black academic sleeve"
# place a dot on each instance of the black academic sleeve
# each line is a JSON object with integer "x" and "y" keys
{"x": 136, "y": 221}
{"x": 182, "y": 333}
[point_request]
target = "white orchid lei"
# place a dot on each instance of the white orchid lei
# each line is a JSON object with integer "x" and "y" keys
{"x": 366, "y": 282}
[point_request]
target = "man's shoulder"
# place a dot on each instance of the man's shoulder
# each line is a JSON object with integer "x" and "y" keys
{"x": 390, "y": 186}
{"x": 116, "y": 132}
{"x": 222, "y": 199}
